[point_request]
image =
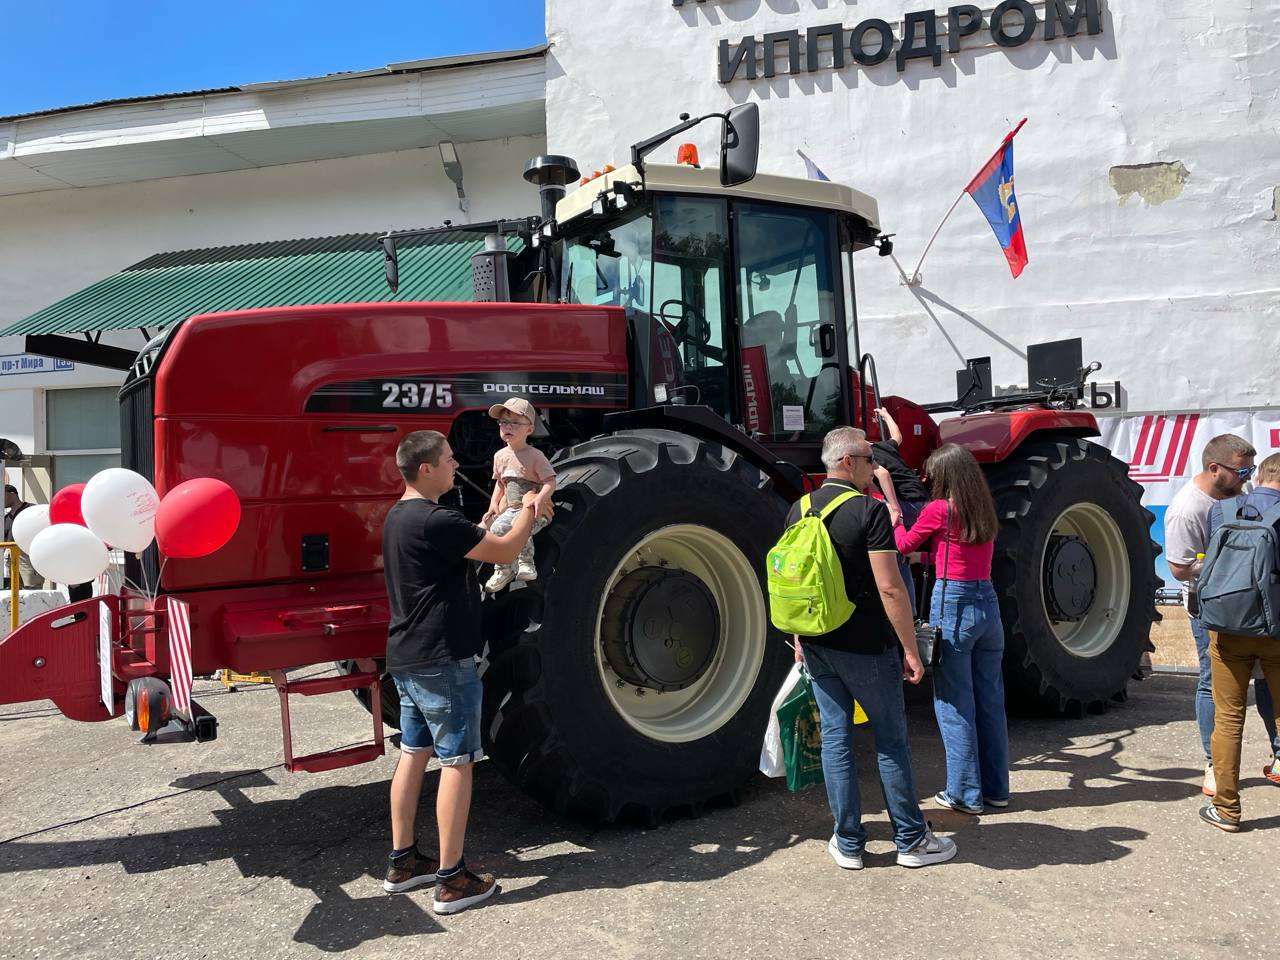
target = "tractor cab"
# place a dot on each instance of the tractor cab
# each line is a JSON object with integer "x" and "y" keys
{"x": 738, "y": 298}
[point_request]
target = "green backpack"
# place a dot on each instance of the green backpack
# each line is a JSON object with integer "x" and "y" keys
{"x": 806, "y": 582}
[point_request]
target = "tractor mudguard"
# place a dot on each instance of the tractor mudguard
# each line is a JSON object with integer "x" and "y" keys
{"x": 701, "y": 422}
{"x": 992, "y": 437}
{"x": 55, "y": 657}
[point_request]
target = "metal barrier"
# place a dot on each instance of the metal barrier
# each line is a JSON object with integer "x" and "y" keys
{"x": 14, "y": 583}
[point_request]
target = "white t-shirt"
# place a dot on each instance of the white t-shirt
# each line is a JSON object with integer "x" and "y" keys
{"x": 1186, "y": 526}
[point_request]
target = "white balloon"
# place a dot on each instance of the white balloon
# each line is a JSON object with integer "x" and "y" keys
{"x": 68, "y": 553}
{"x": 119, "y": 506}
{"x": 28, "y": 523}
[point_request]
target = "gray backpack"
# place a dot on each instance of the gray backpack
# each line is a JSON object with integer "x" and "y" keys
{"x": 1240, "y": 579}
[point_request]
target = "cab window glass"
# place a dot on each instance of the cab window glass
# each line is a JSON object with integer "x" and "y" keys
{"x": 690, "y": 249}
{"x": 610, "y": 266}
{"x": 786, "y": 293}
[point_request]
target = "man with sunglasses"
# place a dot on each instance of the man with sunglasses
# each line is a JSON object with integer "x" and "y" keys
{"x": 866, "y": 658}
{"x": 1228, "y": 463}
{"x": 1234, "y": 659}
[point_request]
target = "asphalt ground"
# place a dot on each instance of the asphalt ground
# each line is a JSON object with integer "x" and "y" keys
{"x": 109, "y": 848}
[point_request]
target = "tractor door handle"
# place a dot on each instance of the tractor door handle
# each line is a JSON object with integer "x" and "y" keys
{"x": 827, "y": 339}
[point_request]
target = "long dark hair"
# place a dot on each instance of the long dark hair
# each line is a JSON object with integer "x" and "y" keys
{"x": 954, "y": 475}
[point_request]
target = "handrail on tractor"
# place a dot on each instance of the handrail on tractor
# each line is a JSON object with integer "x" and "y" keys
{"x": 867, "y": 374}
{"x": 14, "y": 583}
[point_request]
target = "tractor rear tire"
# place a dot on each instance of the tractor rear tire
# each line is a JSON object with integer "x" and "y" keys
{"x": 1075, "y": 630}
{"x": 567, "y": 717}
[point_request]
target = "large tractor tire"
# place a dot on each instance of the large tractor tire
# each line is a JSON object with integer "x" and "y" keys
{"x": 390, "y": 698}
{"x": 1074, "y": 570}
{"x": 634, "y": 677}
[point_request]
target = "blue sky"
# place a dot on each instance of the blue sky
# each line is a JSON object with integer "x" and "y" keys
{"x": 61, "y": 53}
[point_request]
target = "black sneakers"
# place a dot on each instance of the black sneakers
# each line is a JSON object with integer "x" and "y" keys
{"x": 410, "y": 870}
{"x": 1211, "y": 815}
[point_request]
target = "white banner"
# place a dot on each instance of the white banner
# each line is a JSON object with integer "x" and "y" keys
{"x": 1163, "y": 452}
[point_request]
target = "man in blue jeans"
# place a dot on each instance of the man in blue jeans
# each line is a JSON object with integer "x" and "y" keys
{"x": 860, "y": 660}
{"x": 1227, "y": 463}
{"x": 432, "y": 642}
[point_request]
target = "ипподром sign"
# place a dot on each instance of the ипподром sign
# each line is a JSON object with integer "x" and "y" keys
{"x": 832, "y": 45}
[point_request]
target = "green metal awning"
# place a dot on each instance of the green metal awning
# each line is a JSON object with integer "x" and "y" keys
{"x": 169, "y": 287}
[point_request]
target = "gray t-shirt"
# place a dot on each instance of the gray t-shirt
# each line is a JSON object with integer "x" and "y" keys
{"x": 1186, "y": 526}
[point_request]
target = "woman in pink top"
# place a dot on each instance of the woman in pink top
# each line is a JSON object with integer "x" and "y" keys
{"x": 959, "y": 525}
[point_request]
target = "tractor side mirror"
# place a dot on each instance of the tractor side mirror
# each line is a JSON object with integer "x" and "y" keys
{"x": 390, "y": 264}
{"x": 740, "y": 145}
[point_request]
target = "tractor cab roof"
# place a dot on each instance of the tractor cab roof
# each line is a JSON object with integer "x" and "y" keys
{"x": 683, "y": 178}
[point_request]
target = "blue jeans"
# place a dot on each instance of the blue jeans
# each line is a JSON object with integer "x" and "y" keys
{"x": 440, "y": 708}
{"x": 968, "y": 691}
{"x": 875, "y": 681}
{"x": 910, "y": 511}
{"x": 1204, "y": 695}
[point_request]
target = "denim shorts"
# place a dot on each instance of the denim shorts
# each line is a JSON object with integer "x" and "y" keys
{"x": 440, "y": 710}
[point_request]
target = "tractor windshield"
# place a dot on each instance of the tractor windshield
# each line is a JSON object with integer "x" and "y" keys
{"x": 610, "y": 264}
{"x": 665, "y": 264}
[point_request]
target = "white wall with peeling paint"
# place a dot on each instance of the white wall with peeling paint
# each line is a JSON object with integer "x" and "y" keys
{"x": 1175, "y": 287}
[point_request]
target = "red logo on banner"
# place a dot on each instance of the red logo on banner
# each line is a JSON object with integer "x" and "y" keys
{"x": 757, "y": 400}
{"x": 1164, "y": 447}
{"x": 1275, "y": 439}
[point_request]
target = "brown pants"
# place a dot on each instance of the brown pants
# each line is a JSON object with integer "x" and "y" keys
{"x": 1232, "y": 658}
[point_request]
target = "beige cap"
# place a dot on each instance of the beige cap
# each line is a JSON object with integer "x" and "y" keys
{"x": 516, "y": 405}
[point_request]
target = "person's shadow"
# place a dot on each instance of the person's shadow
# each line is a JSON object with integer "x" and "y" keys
{"x": 1088, "y": 752}
{"x": 332, "y": 837}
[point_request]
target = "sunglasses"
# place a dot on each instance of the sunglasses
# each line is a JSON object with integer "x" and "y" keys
{"x": 1244, "y": 473}
{"x": 514, "y": 423}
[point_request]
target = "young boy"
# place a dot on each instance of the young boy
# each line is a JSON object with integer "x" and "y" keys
{"x": 517, "y": 469}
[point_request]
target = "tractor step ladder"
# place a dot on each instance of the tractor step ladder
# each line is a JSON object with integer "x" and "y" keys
{"x": 368, "y": 678}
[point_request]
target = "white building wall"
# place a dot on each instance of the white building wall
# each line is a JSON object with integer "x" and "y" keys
{"x": 56, "y": 242}
{"x": 1174, "y": 288}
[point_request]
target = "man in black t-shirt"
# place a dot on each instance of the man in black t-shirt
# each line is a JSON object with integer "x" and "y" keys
{"x": 860, "y": 660}
{"x": 432, "y": 642}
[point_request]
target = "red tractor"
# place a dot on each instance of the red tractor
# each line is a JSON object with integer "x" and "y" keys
{"x": 688, "y": 336}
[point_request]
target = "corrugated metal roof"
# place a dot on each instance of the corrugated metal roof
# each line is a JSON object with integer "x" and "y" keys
{"x": 411, "y": 66}
{"x": 168, "y": 287}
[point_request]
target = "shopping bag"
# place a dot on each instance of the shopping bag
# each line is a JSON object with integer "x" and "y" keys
{"x": 800, "y": 730}
{"x": 771, "y": 764}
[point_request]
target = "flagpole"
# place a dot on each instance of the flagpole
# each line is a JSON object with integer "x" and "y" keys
{"x": 915, "y": 274}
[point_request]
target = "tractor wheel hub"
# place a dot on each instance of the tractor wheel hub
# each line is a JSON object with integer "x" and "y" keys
{"x": 660, "y": 628}
{"x": 1070, "y": 578}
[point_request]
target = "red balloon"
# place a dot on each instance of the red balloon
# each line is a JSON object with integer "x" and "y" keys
{"x": 65, "y": 505}
{"x": 196, "y": 518}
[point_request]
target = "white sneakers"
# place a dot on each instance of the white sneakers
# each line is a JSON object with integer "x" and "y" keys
{"x": 1210, "y": 785}
{"x": 942, "y": 800}
{"x": 929, "y": 850}
{"x": 502, "y": 575}
{"x": 843, "y": 860}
